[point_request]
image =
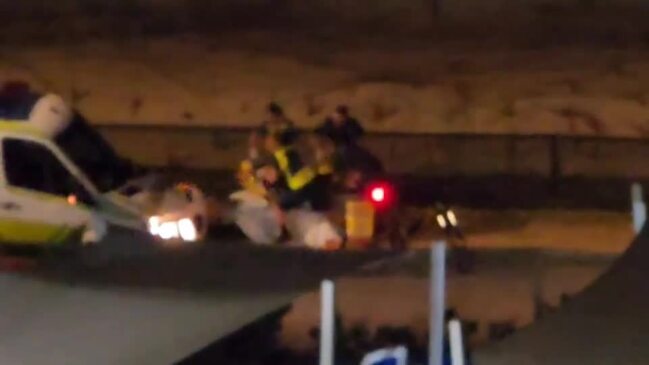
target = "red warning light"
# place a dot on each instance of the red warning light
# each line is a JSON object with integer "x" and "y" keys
{"x": 380, "y": 195}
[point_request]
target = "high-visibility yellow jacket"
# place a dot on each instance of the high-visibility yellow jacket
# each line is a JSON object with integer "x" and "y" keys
{"x": 296, "y": 174}
{"x": 248, "y": 180}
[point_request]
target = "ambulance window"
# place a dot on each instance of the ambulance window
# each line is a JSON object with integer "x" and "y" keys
{"x": 30, "y": 165}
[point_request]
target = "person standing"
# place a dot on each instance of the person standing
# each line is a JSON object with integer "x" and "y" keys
{"x": 343, "y": 129}
{"x": 275, "y": 120}
{"x": 352, "y": 164}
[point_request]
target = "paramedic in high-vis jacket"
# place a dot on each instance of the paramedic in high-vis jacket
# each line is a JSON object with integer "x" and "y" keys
{"x": 300, "y": 194}
{"x": 280, "y": 192}
{"x": 297, "y": 197}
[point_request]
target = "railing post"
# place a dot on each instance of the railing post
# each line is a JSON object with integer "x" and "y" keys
{"x": 327, "y": 322}
{"x": 456, "y": 342}
{"x": 437, "y": 303}
{"x": 638, "y": 207}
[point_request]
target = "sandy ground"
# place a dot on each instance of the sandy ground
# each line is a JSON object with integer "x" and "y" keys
{"x": 542, "y": 254}
{"x": 402, "y": 300}
{"x": 585, "y": 232}
{"x": 529, "y": 260}
{"x": 407, "y": 86}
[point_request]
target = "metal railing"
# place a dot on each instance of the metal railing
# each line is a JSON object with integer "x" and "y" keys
{"x": 549, "y": 156}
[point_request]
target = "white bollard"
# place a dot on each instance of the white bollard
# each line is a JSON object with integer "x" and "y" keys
{"x": 456, "y": 343}
{"x": 639, "y": 208}
{"x": 437, "y": 303}
{"x": 327, "y": 322}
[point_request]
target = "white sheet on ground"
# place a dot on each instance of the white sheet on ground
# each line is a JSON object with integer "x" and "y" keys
{"x": 259, "y": 223}
{"x": 309, "y": 228}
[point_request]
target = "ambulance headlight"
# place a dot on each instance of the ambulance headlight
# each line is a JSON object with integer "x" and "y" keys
{"x": 168, "y": 230}
{"x": 183, "y": 229}
{"x": 154, "y": 225}
{"x": 187, "y": 230}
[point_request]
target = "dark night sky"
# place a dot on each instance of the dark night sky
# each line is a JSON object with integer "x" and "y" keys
{"x": 391, "y": 16}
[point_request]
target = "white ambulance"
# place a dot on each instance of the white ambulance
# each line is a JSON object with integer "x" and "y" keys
{"x": 60, "y": 181}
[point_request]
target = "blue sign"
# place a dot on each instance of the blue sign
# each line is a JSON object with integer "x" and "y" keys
{"x": 387, "y": 356}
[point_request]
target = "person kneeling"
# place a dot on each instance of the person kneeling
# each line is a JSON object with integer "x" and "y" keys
{"x": 300, "y": 196}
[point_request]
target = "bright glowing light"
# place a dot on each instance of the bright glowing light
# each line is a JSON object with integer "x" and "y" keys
{"x": 171, "y": 230}
{"x": 168, "y": 230}
{"x": 452, "y": 219}
{"x": 72, "y": 199}
{"x": 154, "y": 225}
{"x": 187, "y": 230}
{"x": 378, "y": 194}
{"x": 441, "y": 221}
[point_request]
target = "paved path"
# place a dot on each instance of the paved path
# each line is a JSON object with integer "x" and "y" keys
{"x": 607, "y": 324}
{"x": 152, "y": 306}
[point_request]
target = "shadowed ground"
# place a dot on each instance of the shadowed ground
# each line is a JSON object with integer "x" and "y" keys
{"x": 130, "y": 302}
{"x": 607, "y": 324}
{"x": 148, "y": 305}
